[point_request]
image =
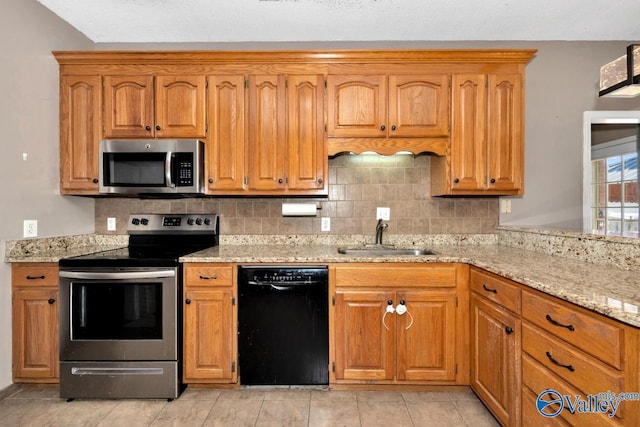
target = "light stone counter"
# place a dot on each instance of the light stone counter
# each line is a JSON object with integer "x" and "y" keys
{"x": 605, "y": 289}
{"x": 52, "y": 249}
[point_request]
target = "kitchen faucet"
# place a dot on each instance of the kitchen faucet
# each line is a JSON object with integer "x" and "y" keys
{"x": 379, "y": 230}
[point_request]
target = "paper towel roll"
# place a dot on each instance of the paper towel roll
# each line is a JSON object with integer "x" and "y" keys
{"x": 299, "y": 209}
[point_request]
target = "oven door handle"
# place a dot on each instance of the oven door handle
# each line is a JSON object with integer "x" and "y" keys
{"x": 117, "y": 276}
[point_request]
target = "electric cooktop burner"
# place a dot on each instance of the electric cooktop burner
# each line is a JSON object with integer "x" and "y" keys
{"x": 156, "y": 240}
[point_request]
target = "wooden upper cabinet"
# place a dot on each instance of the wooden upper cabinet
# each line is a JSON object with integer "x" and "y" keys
{"x": 418, "y": 106}
{"x": 388, "y": 106}
{"x": 487, "y": 137}
{"x": 225, "y": 144}
{"x": 286, "y": 146}
{"x": 306, "y": 147}
{"x": 267, "y": 132}
{"x": 357, "y": 105}
{"x": 128, "y": 106}
{"x": 80, "y": 130}
{"x": 164, "y": 106}
{"x": 505, "y": 133}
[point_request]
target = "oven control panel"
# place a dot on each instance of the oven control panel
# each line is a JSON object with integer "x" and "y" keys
{"x": 146, "y": 223}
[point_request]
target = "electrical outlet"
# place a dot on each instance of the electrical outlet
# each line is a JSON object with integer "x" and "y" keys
{"x": 325, "y": 224}
{"x": 383, "y": 213}
{"x": 30, "y": 228}
{"x": 505, "y": 206}
{"x": 111, "y": 224}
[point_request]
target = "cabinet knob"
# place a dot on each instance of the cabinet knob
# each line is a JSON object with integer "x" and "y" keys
{"x": 210, "y": 180}
{"x": 493, "y": 180}
{"x": 158, "y": 127}
{"x": 383, "y": 127}
{"x": 280, "y": 181}
{"x": 393, "y": 127}
{"x": 456, "y": 180}
{"x": 187, "y": 301}
{"x": 147, "y": 128}
{"x": 508, "y": 330}
{"x": 320, "y": 181}
{"x": 51, "y": 301}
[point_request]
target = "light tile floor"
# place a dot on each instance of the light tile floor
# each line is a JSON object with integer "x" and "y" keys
{"x": 250, "y": 406}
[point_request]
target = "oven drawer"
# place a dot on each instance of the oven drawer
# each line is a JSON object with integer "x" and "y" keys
{"x": 208, "y": 274}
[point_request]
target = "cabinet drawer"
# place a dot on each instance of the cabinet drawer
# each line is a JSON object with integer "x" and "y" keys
{"x": 397, "y": 275}
{"x": 586, "y": 331}
{"x": 208, "y": 274}
{"x": 536, "y": 379}
{"x": 588, "y": 375}
{"x": 496, "y": 289}
{"x": 34, "y": 274}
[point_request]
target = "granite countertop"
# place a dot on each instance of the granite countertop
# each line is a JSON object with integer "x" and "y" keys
{"x": 608, "y": 290}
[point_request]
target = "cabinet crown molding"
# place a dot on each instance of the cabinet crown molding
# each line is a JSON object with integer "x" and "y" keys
{"x": 521, "y": 56}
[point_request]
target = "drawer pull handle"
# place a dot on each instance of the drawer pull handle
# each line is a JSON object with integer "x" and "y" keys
{"x": 214, "y": 277}
{"x": 508, "y": 330}
{"x": 486, "y": 288}
{"x": 35, "y": 277}
{"x": 555, "y": 322}
{"x": 555, "y": 362}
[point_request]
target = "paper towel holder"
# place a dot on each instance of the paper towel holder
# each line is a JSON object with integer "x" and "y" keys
{"x": 300, "y": 209}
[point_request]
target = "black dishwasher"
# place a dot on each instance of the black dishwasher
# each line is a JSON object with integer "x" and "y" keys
{"x": 283, "y": 325}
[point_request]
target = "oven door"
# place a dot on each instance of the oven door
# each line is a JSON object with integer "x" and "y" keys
{"x": 119, "y": 314}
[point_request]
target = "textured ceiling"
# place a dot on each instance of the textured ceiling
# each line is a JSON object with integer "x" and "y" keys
{"x": 112, "y": 21}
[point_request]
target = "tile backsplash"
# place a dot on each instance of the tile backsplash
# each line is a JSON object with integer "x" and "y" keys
{"x": 358, "y": 184}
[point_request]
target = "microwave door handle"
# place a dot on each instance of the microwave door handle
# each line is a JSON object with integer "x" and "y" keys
{"x": 167, "y": 170}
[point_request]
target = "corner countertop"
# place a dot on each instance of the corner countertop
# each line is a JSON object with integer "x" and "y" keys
{"x": 605, "y": 289}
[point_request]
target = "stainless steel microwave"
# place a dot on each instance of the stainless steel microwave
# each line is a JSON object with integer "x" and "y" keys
{"x": 171, "y": 166}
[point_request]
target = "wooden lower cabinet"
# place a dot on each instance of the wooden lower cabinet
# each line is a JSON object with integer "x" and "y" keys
{"x": 495, "y": 359}
{"x": 495, "y": 344}
{"x": 35, "y": 322}
{"x": 210, "y": 333}
{"x": 423, "y": 345}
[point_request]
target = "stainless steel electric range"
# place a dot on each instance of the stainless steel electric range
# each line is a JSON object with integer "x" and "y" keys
{"x": 120, "y": 310}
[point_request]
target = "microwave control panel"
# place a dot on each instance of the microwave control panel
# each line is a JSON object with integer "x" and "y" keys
{"x": 184, "y": 169}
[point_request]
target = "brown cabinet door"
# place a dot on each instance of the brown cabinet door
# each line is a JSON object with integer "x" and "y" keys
{"x": 505, "y": 132}
{"x": 225, "y": 144}
{"x": 357, "y": 105}
{"x": 365, "y": 347}
{"x": 209, "y": 336}
{"x": 418, "y": 106}
{"x": 80, "y": 130}
{"x": 468, "y": 132}
{"x": 35, "y": 335}
{"x": 128, "y": 106}
{"x": 180, "y": 106}
{"x": 306, "y": 145}
{"x": 495, "y": 359}
{"x": 426, "y": 335}
{"x": 267, "y": 131}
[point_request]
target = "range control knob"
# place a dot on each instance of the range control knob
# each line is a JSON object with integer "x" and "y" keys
{"x": 135, "y": 221}
{"x": 144, "y": 221}
{"x": 190, "y": 221}
{"x": 207, "y": 221}
{"x": 199, "y": 221}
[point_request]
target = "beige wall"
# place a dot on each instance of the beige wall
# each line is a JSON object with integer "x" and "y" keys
{"x": 357, "y": 186}
{"x": 29, "y": 124}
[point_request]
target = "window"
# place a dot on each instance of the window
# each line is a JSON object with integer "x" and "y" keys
{"x": 615, "y": 195}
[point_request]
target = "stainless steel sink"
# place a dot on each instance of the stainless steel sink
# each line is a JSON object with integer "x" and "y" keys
{"x": 383, "y": 251}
